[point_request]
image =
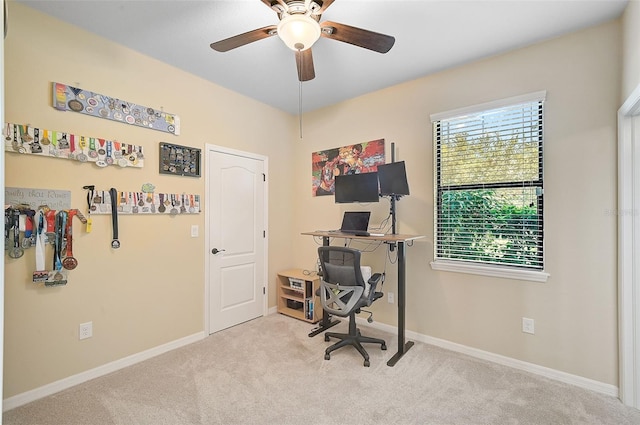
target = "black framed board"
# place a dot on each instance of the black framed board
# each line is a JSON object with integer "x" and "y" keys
{"x": 179, "y": 160}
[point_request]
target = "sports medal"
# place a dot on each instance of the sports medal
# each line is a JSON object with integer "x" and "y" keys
{"x": 162, "y": 208}
{"x": 17, "y": 251}
{"x": 45, "y": 139}
{"x": 63, "y": 144}
{"x": 92, "y": 148}
{"x": 82, "y": 157}
{"x": 109, "y": 157}
{"x": 35, "y": 146}
{"x": 69, "y": 261}
{"x": 8, "y": 217}
{"x": 134, "y": 209}
{"x": 115, "y": 243}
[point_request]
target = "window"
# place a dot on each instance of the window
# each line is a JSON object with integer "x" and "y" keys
{"x": 489, "y": 186}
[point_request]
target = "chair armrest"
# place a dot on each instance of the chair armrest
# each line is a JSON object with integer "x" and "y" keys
{"x": 373, "y": 281}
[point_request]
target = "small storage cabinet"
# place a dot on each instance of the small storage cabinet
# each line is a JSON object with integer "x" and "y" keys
{"x": 297, "y": 295}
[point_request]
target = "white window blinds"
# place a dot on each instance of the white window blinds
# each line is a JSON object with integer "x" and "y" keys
{"x": 489, "y": 184}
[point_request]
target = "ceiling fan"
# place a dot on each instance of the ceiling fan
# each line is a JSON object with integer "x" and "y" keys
{"x": 300, "y": 27}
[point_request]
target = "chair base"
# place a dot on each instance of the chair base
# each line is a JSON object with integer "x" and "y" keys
{"x": 354, "y": 338}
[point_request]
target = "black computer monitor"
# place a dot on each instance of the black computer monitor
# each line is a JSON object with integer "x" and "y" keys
{"x": 393, "y": 179}
{"x": 356, "y": 188}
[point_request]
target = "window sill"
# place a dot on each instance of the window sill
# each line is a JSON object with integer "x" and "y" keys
{"x": 494, "y": 271}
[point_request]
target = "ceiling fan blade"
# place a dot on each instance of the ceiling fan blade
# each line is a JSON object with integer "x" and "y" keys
{"x": 325, "y": 4}
{"x": 242, "y": 39}
{"x": 304, "y": 62}
{"x": 270, "y": 3}
{"x": 377, "y": 42}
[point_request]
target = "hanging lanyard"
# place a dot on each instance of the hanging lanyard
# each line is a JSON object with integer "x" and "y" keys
{"x": 8, "y": 214}
{"x": 90, "y": 207}
{"x": 115, "y": 243}
{"x": 40, "y": 242}
{"x": 17, "y": 250}
{"x": 69, "y": 261}
{"x": 61, "y": 224}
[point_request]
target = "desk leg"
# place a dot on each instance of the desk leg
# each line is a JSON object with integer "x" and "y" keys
{"x": 326, "y": 321}
{"x": 402, "y": 347}
{"x": 323, "y": 324}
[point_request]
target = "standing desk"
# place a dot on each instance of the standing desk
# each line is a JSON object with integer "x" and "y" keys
{"x": 398, "y": 240}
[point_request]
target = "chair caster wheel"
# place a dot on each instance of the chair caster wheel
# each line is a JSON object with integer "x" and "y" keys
{"x": 383, "y": 347}
{"x": 327, "y": 356}
{"x": 366, "y": 363}
{"x": 326, "y": 338}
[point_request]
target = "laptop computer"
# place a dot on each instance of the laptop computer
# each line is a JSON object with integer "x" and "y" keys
{"x": 356, "y": 222}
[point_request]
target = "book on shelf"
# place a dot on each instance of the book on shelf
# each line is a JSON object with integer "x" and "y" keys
{"x": 308, "y": 304}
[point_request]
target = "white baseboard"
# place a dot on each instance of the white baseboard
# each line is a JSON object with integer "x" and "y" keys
{"x": 567, "y": 378}
{"x": 63, "y": 384}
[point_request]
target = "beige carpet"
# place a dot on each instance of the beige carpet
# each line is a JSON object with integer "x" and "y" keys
{"x": 267, "y": 371}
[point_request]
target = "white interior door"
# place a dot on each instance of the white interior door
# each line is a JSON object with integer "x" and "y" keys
{"x": 629, "y": 249}
{"x": 236, "y": 237}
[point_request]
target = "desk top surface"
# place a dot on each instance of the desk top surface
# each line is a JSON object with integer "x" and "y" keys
{"x": 390, "y": 238}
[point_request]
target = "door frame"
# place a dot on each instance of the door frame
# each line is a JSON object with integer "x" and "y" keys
{"x": 629, "y": 249}
{"x": 207, "y": 231}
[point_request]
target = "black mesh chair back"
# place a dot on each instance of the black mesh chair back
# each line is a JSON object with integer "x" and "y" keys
{"x": 342, "y": 293}
{"x": 341, "y": 265}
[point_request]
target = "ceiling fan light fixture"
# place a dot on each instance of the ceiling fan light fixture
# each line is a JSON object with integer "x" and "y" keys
{"x": 298, "y": 31}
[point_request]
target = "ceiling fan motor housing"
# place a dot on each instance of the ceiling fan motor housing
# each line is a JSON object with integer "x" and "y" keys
{"x": 297, "y": 6}
{"x": 298, "y": 27}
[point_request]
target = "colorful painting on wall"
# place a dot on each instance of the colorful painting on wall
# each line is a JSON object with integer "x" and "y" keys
{"x": 352, "y": 159}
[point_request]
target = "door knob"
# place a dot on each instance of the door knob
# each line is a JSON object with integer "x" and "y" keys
{"x": 216, "y": 250}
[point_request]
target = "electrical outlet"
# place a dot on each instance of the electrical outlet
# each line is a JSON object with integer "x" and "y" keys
{"x": 390, "y": 298}
{"x": 528, "y": 325}
{"x": 86, "y": 330}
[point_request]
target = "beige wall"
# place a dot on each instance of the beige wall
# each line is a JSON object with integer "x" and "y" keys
{"x": 150, "y": 291}
{"x": 575, "y": 311}
{"x": 631, "y": 47}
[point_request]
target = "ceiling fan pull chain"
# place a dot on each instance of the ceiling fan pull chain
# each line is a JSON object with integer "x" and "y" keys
{"x": 300, "y": 95}
{"x": 300, "y": 106}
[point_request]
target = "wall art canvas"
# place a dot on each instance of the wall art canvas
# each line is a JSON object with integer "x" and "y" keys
{"x": 352, "y": 159}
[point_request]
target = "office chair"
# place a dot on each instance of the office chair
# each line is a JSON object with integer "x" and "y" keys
{"x": 343, "y": 292}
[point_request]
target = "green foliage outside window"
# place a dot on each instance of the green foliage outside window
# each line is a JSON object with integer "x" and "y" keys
{"x": 485, "y": 225}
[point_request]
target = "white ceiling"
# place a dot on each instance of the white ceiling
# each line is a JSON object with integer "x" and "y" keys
{"x": 430, "y": 36}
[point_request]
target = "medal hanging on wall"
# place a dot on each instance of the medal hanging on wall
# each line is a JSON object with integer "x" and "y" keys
{"x": 29, "y": 239}
{"x": 41, "y": 274}
{"x": 82, "y": 156}
{"x": 59, "y": 276}
{"x": 69, "y": 261}
{"x": 50, "y": 218}
{"x": 74, "y": 104}
{"x": 90, "y": 206}
{"x": 45, "y": 139}
{"x": 115, "y": 243}
{"x": 16, "y": 251}
{"x": 8, "y": 220}
{"x": 35, "y": 146}
{"x": 17, "y": 146}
